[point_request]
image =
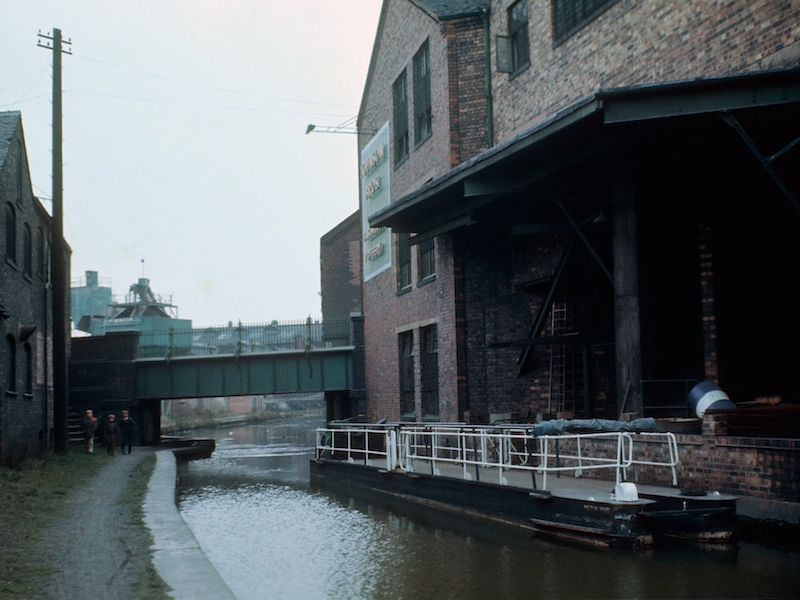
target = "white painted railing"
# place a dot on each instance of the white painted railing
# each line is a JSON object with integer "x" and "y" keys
{"x": 502, "y": 450}
{"x": 362, "y": 444}
{"x": 670, "y": 446}
{"x": 492, "y": 451}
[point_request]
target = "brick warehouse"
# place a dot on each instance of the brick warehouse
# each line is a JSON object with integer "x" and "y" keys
{"x": 340, "y": 280}
{"x": 583, "y": 211}
{"x": 26, "y": 356}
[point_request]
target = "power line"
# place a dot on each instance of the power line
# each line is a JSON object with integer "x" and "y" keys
{"x": 30, "y": 87}
{"x": 22, "y": 99}
{"x": 199, "y": 105}
{"x": 209, "y": 87}
{"x": 349, "y": 108}
{"x": 42, "y": 195}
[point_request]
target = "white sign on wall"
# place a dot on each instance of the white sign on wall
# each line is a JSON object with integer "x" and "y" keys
{"x": 374, "y": 171}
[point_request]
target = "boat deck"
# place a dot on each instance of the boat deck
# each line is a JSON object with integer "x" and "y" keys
{"x": 577, "y": 465}
{"x": 565, "y": 484}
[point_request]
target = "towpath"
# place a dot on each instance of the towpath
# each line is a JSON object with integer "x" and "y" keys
{"x": 102, "y": 550}
{"x": 99, "y": 549}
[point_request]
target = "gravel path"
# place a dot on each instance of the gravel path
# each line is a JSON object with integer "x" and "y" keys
{"x": 100, "y": 551}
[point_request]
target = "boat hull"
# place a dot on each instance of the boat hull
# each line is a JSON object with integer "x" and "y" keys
{"x": 706, "y": 519}
{"x": 589, "y": 520}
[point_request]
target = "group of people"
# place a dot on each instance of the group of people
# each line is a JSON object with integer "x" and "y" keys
{"x": 110, "y": 429}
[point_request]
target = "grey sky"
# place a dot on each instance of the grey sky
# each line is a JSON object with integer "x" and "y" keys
{"x": 184, "y": 141}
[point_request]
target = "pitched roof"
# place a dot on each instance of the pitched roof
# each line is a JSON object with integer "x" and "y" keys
{"x": 450, "y": 9}
{"x": 440, "y": 10}
{"x": 8, "y": 127}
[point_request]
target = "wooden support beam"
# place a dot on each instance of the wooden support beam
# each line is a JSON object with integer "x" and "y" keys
{"x": 627, "y": 320}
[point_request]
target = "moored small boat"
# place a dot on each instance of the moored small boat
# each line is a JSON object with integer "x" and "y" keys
{"x": 186, "y": 449}
{"x": 540, "y": 480}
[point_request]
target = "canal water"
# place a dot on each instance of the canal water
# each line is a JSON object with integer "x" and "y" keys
{"x": 270, "y": 535}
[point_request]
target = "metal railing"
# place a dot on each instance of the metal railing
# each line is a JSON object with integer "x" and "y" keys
{"x": 360, "y": 444}
{"x": 497, "y": 450}
{"x": 240, "y": 339}
{"x": 503, "y": 450}
{"x": 669, "y": 444}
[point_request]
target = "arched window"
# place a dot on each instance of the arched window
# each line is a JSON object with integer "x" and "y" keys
{"x": 40, "y": 253}
{"x": 28, "y": 368}
{"x": 27, "y": 250}
{"x": 19, "y": 174}
{"x": 11, "y": 357}
{"x": 11, "y": 234}
{"x": 39, "y": 359}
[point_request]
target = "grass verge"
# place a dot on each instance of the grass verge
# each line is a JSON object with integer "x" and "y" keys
{"x": 34, "y": 497}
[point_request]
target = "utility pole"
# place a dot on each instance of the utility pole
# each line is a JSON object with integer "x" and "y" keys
{"x": 58, "y": 271}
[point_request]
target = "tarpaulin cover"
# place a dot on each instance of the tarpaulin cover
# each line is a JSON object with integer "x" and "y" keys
{"x": 563, "y": 426}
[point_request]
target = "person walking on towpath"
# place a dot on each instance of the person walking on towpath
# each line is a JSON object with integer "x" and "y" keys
{"x": 89, "y": 425}
{"x": 127, "y": 426}
{"x": 111, "y": 431}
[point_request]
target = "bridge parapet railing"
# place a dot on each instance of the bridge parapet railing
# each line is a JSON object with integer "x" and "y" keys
{"x": 240, "y": 338}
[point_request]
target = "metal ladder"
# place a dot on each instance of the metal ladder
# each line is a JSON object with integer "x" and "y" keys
{"x": 558, "y": 359}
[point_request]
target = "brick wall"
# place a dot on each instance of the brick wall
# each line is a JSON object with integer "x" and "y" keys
{"x": 407, "y": 28}
{"x": 635, "y": 43}
{"x": 340, "y": 268}
{"x": 102, "y": 372}
{"x": 466, "y": 79}
{"x": 458, "y": 95}
{"x": 26, "y": 409}
{"x": 752, "y": 467}
{"x": 428, "y": 303}
{"x": 632, "y": 43}
{"x": 458, "y": 107}
{"x": 766, "y": 468}
{"x": 502, "y": 302}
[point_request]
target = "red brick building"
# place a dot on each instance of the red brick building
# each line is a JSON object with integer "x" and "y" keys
{"x": 578, "y": 207}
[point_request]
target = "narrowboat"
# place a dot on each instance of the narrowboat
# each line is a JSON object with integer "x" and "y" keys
{"x": 561, "y": 478}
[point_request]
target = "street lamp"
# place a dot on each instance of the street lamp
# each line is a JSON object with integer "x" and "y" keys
{"x": 346, "y": 127}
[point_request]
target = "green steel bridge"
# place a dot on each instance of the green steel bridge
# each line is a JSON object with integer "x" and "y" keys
{"x": 136, "y": 369}
{"x": 239, "y": 359}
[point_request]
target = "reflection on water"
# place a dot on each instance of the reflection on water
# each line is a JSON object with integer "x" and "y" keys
{"x": 285, "y": 543}
{"x": 271, "y": 536}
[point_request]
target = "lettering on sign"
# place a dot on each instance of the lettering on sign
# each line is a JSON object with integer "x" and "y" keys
{"x": 375, "y": 191}
{"x": 374, "y": 252}
{"x": 372, "y": 232}
{"x": 373, "y": 187}
{"x": 373, "y": 160}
